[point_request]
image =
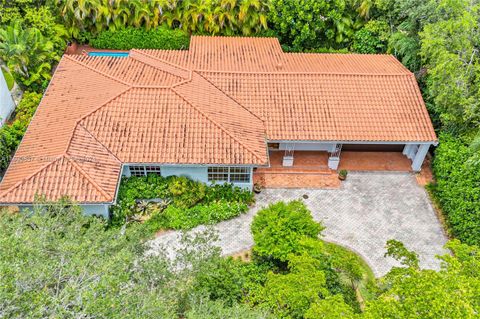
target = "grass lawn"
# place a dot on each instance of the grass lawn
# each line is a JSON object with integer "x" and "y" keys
{"x": 363, "y": 291}
{"x": 9, "y": 78}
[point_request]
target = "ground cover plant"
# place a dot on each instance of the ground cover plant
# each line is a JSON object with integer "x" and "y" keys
{"x": 182, "y": 203}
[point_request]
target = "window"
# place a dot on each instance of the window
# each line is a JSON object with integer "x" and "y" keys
{"x": 153, "y": 170}
{"x": 137, "y": 171}
{"x": 218, "y": 174}
{"x": 239, "y": 174}
{"x": 140, "y": 170}
{"x": 229, "y": 174}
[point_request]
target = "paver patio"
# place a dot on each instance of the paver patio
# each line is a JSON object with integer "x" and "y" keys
{"x": 366, "y": 211}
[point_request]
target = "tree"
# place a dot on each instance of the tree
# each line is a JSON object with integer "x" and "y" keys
{"x": 450, "y": 50}
{"x": 277, "y": 229}
{"x": 28, "y": 54}
{"x": 452, "y": 292}
{"x": 371, "y": 38}
{"x": 57, "y": 262}
{"x": 406, "y": 18}
{"x": 310, "y": 24}
{"x": 332, "y": 307}
{"x": 291, "y": 295}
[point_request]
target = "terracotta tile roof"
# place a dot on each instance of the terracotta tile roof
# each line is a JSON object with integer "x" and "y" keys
{"x": 213, "y": 104}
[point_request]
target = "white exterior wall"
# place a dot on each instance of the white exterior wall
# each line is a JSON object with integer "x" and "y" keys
{"x": 196, "y": 173}
{"x": 6, "y": 102}
{"x": 328, "y": 147}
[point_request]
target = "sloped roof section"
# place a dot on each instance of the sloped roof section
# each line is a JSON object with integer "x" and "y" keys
{"x": 216, "y": 103}
{"x": 332, "y": 107}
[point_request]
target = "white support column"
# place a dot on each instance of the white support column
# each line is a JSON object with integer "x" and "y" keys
{"x": 420, "y": 157}
{"x": 406, "y": 149}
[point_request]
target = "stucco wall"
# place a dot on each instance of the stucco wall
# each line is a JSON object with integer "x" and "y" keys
{"x": 6, "y": 102}
{"x": 329, "y": 147}
{"x": 197, "y": 173}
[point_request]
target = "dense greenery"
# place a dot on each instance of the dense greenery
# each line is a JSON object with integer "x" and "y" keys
{"x": 194, "y": 16}
{"x": 181, "y": 203}
{"x": 58, "y": 262}
{"x": 12, "y": 132}
{"x": 277, "y": 229}
{"x": 131, "y": 38}
{"x": 457, "y": 168}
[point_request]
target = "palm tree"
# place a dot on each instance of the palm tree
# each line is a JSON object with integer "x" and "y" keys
{"x": 27, "y": 53}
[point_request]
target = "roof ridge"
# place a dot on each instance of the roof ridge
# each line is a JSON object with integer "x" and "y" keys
{"x": 230, "y": 97}
{"x": 217, "y": 124}
{"x": 101, "y": 106}
{"x": 95, "y": 138}
{"x": 163, "y": 61}
{"x": 91, "y": 181}
{"x": 23, "y": 180}
{"x": 302, "y": 73}
{"x": 96, "y": 70}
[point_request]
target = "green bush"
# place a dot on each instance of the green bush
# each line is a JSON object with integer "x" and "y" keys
{"x": 277, "y": 229}
{"x": 132, "y": 38}
{"x": 457, "y": 188}
{"x": 211, "y": 213}
{"x": 12, "y": 134}
{"x": 371, "y": 38}
{"x": 189, "y": 203}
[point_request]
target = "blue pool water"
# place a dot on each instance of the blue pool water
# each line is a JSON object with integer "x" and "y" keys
{"x": 111, "y": 54}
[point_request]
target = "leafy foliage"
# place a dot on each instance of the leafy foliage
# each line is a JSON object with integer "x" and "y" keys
{"x": 450, "y": 51}
{"x": 193, "y": 16}
{"x": 188, "y": 203}
{"x": 371, "y": 38}
{"x": 130, "y": 38}
{"x": 11, "y": 133}
{"x": 309, "y": 24}
{"x": 28, "y": 54}
{"x": 56, "y": 262}
{"x": 277, "y": 229}
{"x": 453, "y": 292}
{"x": 457, "y": 188}
{"x": 291, "y": 295}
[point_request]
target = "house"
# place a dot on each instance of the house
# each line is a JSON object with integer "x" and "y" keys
{"x": 7, "y": 105}
{"x": 214, "y": 112}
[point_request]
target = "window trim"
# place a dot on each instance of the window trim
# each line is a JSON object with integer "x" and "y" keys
{"x": 144, "y": 170}
{"x": 230, "y": 171}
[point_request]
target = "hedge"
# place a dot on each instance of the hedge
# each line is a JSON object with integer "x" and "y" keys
{"x": 457, "y": 188}
{"x": 11, "y": 134}
{"x": 132, "y": 38}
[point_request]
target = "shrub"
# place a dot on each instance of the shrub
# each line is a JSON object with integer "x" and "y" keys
{"x": 291, "y": 295}
{"x": 133, "y": 38}
{"x": 211, "y": 213}
{"x": 12, "y": 134}
{"x": 278, "y": 229}
{"x": 457, "y": 187}
{"x": 191, "y": 202}
{"x": 372, "y": 38}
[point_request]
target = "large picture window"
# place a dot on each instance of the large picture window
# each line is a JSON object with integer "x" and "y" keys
{"x": 229, "y": 174}
{"x": 141, "y": 170}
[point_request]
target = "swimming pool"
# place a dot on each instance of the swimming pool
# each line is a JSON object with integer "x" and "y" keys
{"x": 111, "y": 54}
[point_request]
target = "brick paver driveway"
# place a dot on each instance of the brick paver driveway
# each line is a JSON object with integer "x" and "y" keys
{"x": 369, "y": 209}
